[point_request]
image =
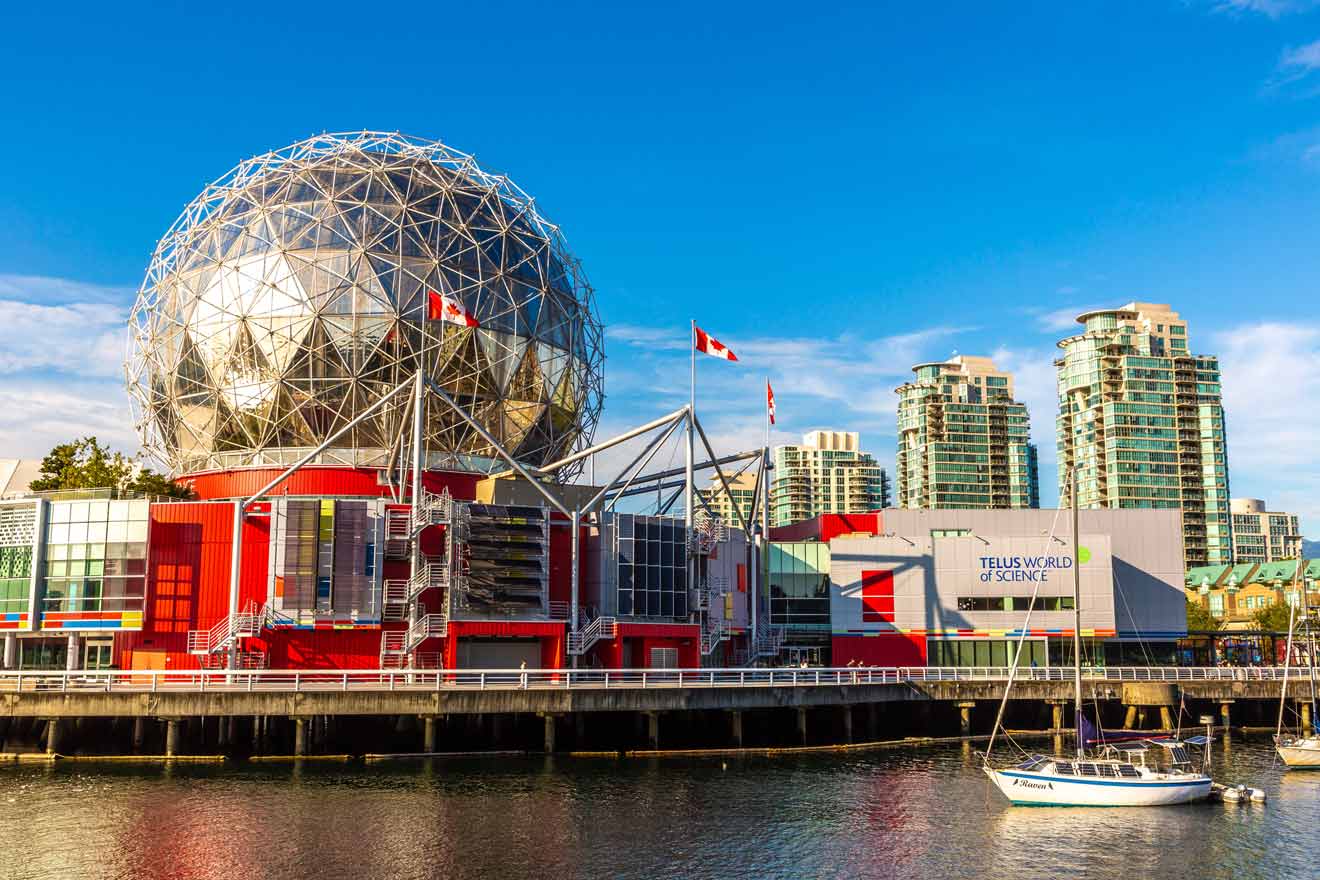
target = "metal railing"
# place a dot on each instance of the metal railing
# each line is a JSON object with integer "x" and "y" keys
{"x": 394, "y": 599}
{"x": 601, "y": 628}
{"x": 713, "y": 632}
{"x": 435, "y": 509}
{"x": 428, "y": 575}
{"x": 769, "y": 641}
{"x": 427, "y": 626}
{"x": 137, "y": 681}
{"x": 223, "y": 632}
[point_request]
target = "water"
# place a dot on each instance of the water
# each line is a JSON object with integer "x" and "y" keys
{"x": 888, "y": 813}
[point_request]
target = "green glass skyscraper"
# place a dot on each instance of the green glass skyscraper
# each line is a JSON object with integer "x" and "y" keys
{"x": 963, "y": 441}
{"x": 1143, "y": 421}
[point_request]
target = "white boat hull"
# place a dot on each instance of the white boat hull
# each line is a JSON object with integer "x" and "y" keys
{"x": 1048, "y": 789}
{"x": 1300, "y": 753}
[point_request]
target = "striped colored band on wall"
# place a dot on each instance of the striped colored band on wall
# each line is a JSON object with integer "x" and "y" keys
{"x": 984, "y": 633}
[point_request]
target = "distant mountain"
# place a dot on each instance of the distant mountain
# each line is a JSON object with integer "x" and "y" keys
{"x": 1311, "y": 549}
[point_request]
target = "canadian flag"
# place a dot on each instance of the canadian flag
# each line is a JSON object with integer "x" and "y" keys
{"x": 770, "y": 402}
{"x": 442, "y": 308}
{"x": 704, "y": 342}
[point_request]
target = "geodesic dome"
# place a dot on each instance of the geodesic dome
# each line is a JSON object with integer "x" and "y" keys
{"x": 293, "y": 293}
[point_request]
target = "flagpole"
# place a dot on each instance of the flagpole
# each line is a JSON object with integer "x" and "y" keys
{"x": 690, "y": 501}
{"x": 760, "y": 544}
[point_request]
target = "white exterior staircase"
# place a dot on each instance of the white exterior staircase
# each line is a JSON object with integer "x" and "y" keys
{"x": 228, "y": 629}
{"x": 580, "y": 642}
{"x": 713, "y": 632}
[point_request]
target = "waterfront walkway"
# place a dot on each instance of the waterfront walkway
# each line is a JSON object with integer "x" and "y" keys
{"x": 388, "y": 680}
{"x": 566, "y": 691}
{"x": 948, "y": 695}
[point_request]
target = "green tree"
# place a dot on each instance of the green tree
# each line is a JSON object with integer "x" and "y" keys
{"x": 1199, "y": 618}
{"x": 87, "y": 464}
{"x": 148, "y": 482}
{"x": 1272, "y": 618}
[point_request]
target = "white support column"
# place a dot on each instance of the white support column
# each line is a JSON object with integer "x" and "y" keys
{"x": 763, "y": 562}
{"x": 575, "y": 523}
{"x": 73, "y": 660}
{"x": 414, "y": 530}
{"x": 755, "y": 562}
{"x": 689, "y": 499}
{"x": 235, "y": 574}
{"x": 11, "y": 650}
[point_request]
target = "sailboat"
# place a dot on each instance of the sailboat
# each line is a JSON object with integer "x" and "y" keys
{"x": 1302, "y": 749}
{"x": 1120, "y": 775}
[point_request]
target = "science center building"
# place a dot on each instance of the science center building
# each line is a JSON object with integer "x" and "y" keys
{"x": 327, "y": 347}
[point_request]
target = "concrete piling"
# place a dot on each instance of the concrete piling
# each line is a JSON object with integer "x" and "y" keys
{"x": 736, "y": 728}
{"x": 550, "y": 732}
{"x": 965, "y": 717}
{"x": 299, "y": 737}
{"x": 802, "y": 725}
{"x": 428, "y": 733}
{"x": 1056, "y": 714}
{"x": 171, "y": 737}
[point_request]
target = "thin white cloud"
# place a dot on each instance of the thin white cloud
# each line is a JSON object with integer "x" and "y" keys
{"x": 1060, "y": 319}
{"x": 1300, "y": 60}
{"x": 1271, "y": 375}
{"x": 842, "y": 382}
{"x": 1296, "y": 147}
{"x": 651, "y": 337}
{"x": 1269, "y": 8}
{"x": 80, "y": 339}
{"x": 58, "y": 291}
{"x": 61, "y": 366}
{"x": 35, "y": 415}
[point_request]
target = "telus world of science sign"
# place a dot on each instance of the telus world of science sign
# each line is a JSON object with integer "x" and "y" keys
{"x": 968, "y": 585}
{"x": 989, "y": 583}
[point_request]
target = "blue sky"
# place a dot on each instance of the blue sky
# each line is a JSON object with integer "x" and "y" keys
{"x": 835, "y": 193}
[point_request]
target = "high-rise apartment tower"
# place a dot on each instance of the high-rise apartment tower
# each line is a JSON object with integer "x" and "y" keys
{"x": 963, "y": 441}
{"x": 1142, "y": 420}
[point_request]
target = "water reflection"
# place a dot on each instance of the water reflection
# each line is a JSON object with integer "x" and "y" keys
{"x": 911, "y": 813}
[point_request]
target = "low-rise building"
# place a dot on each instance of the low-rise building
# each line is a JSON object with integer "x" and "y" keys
{"x": 1261, "y": 535}
{"x": 827, "y": 473}
{"x": 739, "y": 500}
{"x": 1233, "y": 594}
{"x": 954, "y": 587}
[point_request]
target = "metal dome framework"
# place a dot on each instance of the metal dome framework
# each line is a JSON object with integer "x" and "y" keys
{"x": 293, "y": 293}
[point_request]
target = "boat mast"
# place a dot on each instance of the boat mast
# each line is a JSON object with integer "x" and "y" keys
{"x": 1287, "y": 652}
{"x": 1310, "y": 656}
{"x": 1077, "y": 617}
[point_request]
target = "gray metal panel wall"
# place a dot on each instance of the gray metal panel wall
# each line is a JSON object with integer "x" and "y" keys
{"x": 352, "y": 589}
{"x": 731, "y": 553}
{"x": 1145, "y": 545}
